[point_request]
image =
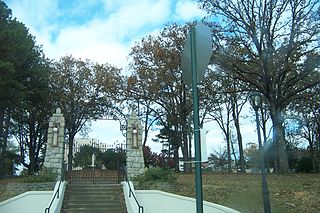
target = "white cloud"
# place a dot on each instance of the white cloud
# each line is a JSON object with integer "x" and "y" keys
{"x": 105, "y": 38}
{"x": 140, "y": 14}
{"x": 188, "y": 10}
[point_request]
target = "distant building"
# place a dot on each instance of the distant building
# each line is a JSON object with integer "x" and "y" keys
{"x": 78, "y": 142}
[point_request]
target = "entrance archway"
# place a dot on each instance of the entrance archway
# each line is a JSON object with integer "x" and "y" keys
{"x": 101, "y": 156}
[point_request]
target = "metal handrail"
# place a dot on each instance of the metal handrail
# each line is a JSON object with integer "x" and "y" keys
{"x": 140, "y": 207}
{"x": 134, "y": 196}
{"x": 56, "y": 194}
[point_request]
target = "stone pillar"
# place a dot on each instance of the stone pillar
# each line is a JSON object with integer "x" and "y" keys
{"x": 54, "y": 152}
{"x": 135, "y": 161}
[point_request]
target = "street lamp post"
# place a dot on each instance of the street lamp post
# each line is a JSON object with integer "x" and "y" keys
{"x": 255, "y": 100}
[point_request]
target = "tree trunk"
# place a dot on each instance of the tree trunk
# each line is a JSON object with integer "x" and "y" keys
{"x": 276, "y": 161}
{"x": 317, "y": 147}
{"x": 70, "y": 150}
{"x": 233, "y": 153}
{"x": 239, "y": 137}
{"x": 2, "y": 142}
{"x": 264, "y": 133}
{"x": 279, "y": 139}
{"x": 235, "y": 116}
{"x": 185, "y": 149}
{"x": 185, "y": 142}
{"x": 312, "y": 153}
{"x": 146, "y": 127}
{"x": 176, "y": 159}
{"x": 186, "y": 164}
{"x": 229, "y": 153}
{"x": 4, "y": 145}
{"x": 32, "y": 148}
{"x": 190, "y": 147}
{"x": 32, "y": 160}
{"x": 2, "y": 112}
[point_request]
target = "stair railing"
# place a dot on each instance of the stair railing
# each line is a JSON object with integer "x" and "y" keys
{"x": 131, "y": 192}
{"x": 122, "y": 171}
{"x": 134, "y": 196}
{"x": 57, "y": 192}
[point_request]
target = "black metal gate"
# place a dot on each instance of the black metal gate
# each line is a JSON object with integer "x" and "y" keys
{"x": 96, "y": 175}
{"x": 112, "y": 172}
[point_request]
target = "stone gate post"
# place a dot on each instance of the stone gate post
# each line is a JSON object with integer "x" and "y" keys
{"x": 135, "y": 160}
{"x": 54, "y": 153}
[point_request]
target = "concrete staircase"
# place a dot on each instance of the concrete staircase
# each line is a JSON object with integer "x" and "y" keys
{"x": 93, "y": 198}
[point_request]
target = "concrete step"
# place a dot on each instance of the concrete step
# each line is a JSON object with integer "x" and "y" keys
{"x": 95, "y": 191}
{"x": 93, "y": 205}
{"x": 93, "y": 210}
{"x": 89, "y": 197}
{"x": 94, "y": 197}
{"x": 99, "y": 190}
{"x": 114, "y": 199}
{"x": 93, "y": 185}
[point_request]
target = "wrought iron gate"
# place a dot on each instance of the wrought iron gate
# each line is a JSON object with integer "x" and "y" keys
{"x": 97, "y": 175}
{"x": 93, "y": 174}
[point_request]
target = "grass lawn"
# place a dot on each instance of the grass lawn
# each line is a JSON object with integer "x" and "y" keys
{"x": 291, "y": 193}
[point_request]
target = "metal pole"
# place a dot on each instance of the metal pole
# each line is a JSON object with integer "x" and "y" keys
{"x": 265, "y": 191}
{"x": 197, "y": 146}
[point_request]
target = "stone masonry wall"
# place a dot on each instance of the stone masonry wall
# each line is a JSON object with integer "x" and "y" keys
{"x": 135, "y": 160}
{"x": 13, "y": 189}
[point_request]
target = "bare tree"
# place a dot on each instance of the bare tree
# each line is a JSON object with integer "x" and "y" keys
{"x": 273, "y": 46}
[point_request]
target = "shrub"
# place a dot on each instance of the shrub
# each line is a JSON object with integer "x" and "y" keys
{"x": 111, "y": 159}
{"x": 157, "y": 175}
{"x": 304, "y": 165}
{"x": 45, "y": 175}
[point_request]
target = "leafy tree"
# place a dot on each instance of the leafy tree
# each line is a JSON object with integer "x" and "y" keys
{"x": 83, "y": 158}
{"x": 304, "y": 165}
{"x": 12, "y": 160}
{"x": 83, "y": 90}
{"x": 306, "y": 114}
{"x": 170, "y": 137}
{"x": 271, "y": 45}
{"x": 111, "y": 159}
{"x": 31, "y": 120}
{"x": 157, "y": 82}
{"x": 251, "y": 154}
{"x": 21, "y": 74}
{"x": 151, "y": 158}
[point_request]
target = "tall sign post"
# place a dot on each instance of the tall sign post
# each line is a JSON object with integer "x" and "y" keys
{"x": 195, "y": 58}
